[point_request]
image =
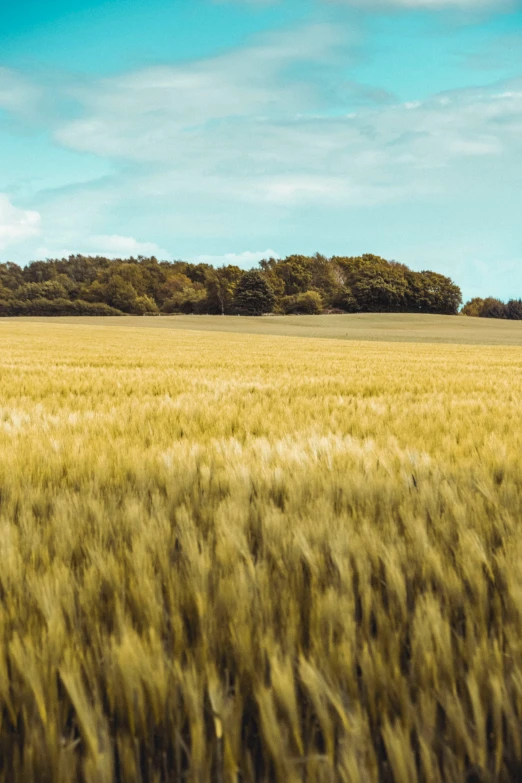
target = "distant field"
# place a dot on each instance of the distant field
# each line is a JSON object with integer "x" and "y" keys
{"x": 237, "y": 558}
{"x": 394, "y": 327}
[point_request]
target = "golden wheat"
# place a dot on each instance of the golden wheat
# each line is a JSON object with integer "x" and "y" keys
{"x": 248, "y": 558}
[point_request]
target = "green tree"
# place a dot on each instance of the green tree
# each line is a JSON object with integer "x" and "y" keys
{"x": 11, "y": 276}
{"x": 379, "y": 289}
{"x": 486, "y": 308}
{"x": 367, "y": 283}
{"x": 296, "y": 273}
{"x": 430, "y": 292}
{"x": 190, "y": 299}
{"x": 327, "y": 278}
{"x": 345, "y": 300}
{"x": 39, "y": 271}
{"x": 221, "y": 285}
{"x": 269, "y": 268}
{"x": 473, "y": 307}
{"x": 253, "y": 295}
{"x": 514, "y": 309}
{"x": 172, "y": 286}
{"x": 376, "y": 284}
{"x": 493, "y": 308}
{"x": 121, "y": 294}
{"x": 50, "y": 289}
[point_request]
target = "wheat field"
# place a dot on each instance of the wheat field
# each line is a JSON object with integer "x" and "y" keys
{"x": 381, "y": 327}
{"x": 247, "y": 558}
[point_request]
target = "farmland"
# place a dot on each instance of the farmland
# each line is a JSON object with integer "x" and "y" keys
{"x": 387, "y": 327}
{"x": 237, "y": 557}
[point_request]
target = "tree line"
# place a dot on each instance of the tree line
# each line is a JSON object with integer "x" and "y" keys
{"x": 494, "y": 308}
{"x": 86, "y": 285}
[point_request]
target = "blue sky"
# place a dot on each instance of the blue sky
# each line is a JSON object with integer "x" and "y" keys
{"x": 224, "y": 131}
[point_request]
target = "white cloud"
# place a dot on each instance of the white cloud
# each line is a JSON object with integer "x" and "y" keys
{"x": 109, "y": 246}
{"x": 270, "y": 143}
{"x": 241, "y": 128}
{"x": 115, "y": 246}
{"x": 163, "y": 111}
{"x": 17, "y": 94}
{"x": 244, "y": 260}
{"x": 16, "y": 224}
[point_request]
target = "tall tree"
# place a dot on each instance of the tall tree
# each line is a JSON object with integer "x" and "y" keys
{"x": 221, "y": 286}
{"x": 253, "y": 295}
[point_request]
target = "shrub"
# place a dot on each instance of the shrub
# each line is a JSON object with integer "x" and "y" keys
{"x": 144, "y": 305}
{"x": 308, "y": 303}
{"x": 51, "y": 289}
{"x": 55, "y": 307}
{"x": 188, "y": 300}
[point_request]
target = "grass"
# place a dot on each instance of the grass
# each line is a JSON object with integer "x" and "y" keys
{"x": 387, "y": 327}
{"x": 232, "y": 557}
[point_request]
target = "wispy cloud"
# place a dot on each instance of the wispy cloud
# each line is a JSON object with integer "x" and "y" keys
{"x": 150, "y": 113}
{"x": 244, "y": 127}
{"x": 430, "y": 5}
{"x": 276, "y": 122}
{"x": 16, "y": 224}
{"x": 274, "y": 139}
{"x": 18, "y": 94}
